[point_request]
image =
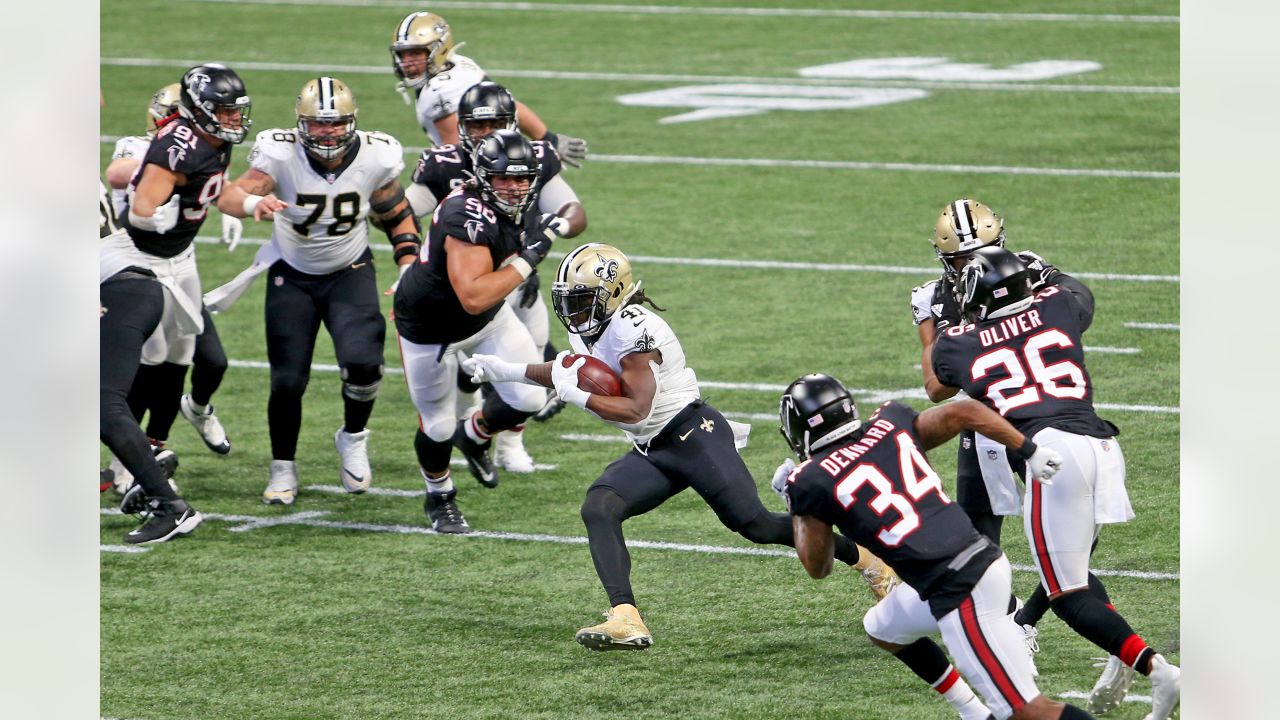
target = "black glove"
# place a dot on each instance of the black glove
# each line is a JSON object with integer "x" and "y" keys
{"x": 529, "y": 290}
{"x": 537, "y": 242}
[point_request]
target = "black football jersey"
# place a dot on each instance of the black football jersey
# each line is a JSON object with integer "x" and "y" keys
{"x": 427, "y": 308}
{"x": 442, "y": 169}
{"x": 180, "y": 149}
{"x": 859, "y": 486}
{"x": 1029, "y": 366}
{"x": 940, "y": 299}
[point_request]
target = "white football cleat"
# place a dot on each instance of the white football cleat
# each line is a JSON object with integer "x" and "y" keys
{"x": 1166, "y": 688}
{"x": 282, "y": 488}
{"x": 354, "y": 450}
{"x": 121, "y": 479}
{"x": 510, "y": 453}
{"x": 1111, "y": 687}
{"x": 207, "y": 424}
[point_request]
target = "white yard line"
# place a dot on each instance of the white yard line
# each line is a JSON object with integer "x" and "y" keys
{"x": 1104, "y": 350}
{"x": 594, "y": 76}
{"x": 313, "y": 518}
{"x": 765, "y": 12}
{"x": 1077, "y": 695}
{"x": 1153, "y": 326}
{"x": 123, "y": 549}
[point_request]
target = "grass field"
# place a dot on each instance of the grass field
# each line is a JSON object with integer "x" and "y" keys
{"x": 343, "y": 607}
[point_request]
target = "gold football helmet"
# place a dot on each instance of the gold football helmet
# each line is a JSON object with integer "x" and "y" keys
{"x": 964, "y": 226}
{"x": 422, "y": 31}
{"x": 592, "y": 283}
{"x": 163, "y": 104}
{"x": 326, "y": 117}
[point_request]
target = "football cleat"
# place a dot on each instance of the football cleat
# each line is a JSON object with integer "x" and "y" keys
{"x": 1109, "y": 691}
{"x": 282, "y": 488}
{"x": 354, "y": 451}
{"x": 168, "y": 519}
{"x": 510, "y": 454}
{"x": 135, "y": 500}
{"x": 442, "y": 510}
{"x": 121, "y": 478}
{"x": 622, "y": 630}
{"x": 1166, "y": 688}
{"x": 1030, "y": 637}
{"x": 552, "y": 407}
{"x": 106, "y": 479}
{"x": 477, "y": 456}
{"x": 206, "y": 423}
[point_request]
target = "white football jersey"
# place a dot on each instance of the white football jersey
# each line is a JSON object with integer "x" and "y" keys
{"x": 324, "y": 227}
{"x": 439, "y": 99}
{"x": 133, "y": 146}
{"x": 635, "y": 329}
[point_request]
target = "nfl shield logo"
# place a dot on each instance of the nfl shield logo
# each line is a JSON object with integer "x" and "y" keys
{"x": 1106, "y": 446}
{"x": 967, "y": 443}
{"x": 992, "y": 454}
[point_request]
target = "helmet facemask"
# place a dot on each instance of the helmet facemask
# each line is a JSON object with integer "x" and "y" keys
{"x": 214, "y": 100}
{"x": 327, "y": 103}
{"x": 592, "y": 283}
{"x": 506, "y": 154}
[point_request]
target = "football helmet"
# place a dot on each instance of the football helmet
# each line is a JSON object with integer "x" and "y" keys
{"x": 592, "y": 283}
{"x": 422, "y": 31}
{"x": 214, "y": 100}
{"x": 163, "y": 104}
{"x": 995, "y": 283}
{"x": 484, "y": 103}
{"x": 326, "y": 101}
{"x": 964, "y": 226}
{"x": 506, "y": 153}
{"x": 816, "y": 410}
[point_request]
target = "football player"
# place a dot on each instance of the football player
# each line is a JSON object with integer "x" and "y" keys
{"x": 1020, "y": 352}
{"x": 484, "y": 241}
{"x": 181, "y": 174}
{"x": 209, "y": 363}
{"x": 425, "y": 58}
{"x": 319, "y": 182}
{"x": 964, "y": 226}
{"x": 131, "y": 306}
{"x": 874, "y": 482}
{"x": 483, "y": 109}
{"x": 679, "y": 440}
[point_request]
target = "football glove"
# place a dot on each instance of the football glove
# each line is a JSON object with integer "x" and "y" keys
{"x": 537, "y": 243}
{"x": 529, "y": 291}
{"x": 572, "y": 150}
{"x": 165, "y": 216}
{"x": 1044, "y": 464}
{"x": 232, "y": 231}
{"x": 780, "y": 477}
{"x": 492, "y": 369}
{"x": 565, "y": 380}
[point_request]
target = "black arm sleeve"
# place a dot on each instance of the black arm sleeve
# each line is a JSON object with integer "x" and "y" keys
{"x": 1082, "y": 294}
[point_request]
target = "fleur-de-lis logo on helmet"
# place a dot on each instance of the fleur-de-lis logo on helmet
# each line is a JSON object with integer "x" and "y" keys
{"x": 607, "y": 270}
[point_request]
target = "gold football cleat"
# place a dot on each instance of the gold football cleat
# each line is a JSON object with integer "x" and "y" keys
{"x": 880, "y": 577}
{"x": 622, "y": 630}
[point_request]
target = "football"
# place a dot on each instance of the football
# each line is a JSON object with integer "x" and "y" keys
{"x": 595, "y": 376}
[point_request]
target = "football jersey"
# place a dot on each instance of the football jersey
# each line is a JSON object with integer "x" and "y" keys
{"x": 940, "y": 299}
{"x": 444, "y": 168}
{"x": 1029, "y": 366}
{"x": 179, "y": 148}
{"x": 133, "y": 146}
{"x": 110, "y": 258}
{"x": 439, "y": 99}
{"x": 427, "y": 309}
{"x": 637, "y": 329}
{"x": 324, "y": 227}
{"x": 877, "y": 487}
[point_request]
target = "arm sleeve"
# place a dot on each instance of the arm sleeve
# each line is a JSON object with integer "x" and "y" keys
{"x": 804, "y": 497}
{"x": 555, "y": 195}
{"x": 942, "y": 368}
{"x": 1082, "y": 295}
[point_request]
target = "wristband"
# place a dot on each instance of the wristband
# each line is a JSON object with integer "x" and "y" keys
{"x": 405, "y": 244}
{"x": 522, "y": 266}
{"x": 552, "y": 138}
{"x": 250, "y": 204}
{"x": 1026, "y": 450}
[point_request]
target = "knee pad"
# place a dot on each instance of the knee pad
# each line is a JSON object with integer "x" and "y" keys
{"x": 603, "y": 505}
{"x": 440, "y": 424}
{"x": 433, "y": 455}
{"x": 360, "y": 382}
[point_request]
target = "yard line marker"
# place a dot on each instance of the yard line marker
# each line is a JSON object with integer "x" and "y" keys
{"x": 675, "y": 77}
{"x": 1154, "y": 326}
{"x": 127, "y": 549}
{"x": 768, "y": 12}
{"x": 1102, "y": 349}
{"x": 1077, "y": 695}
{"x": 866, "y": 394}
{"x": 313, "y": 518}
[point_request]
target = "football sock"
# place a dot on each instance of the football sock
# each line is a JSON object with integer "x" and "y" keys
{"x": 120, "y": 432}
{"x": 1034, "y": 608}
{"x": 166, "y": 392}
{"x": 1071, "y": 712}
{"x": 603, "y": 512}
{"x": 208, "y": 366}
{"x": 1093, "y": 620}
{"x": 473, "y": 425}
{"x": 498, "y": 415}
{"x": 433, "y": 455}
{"x": 355, "y": 414}
{"x": 284, "y": 418}
{"x": 931, "y": 665}
{"x": 549, "y": 352}
{"x": 439, "y": 485}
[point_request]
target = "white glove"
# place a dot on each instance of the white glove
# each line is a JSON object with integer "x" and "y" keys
{"x": 780, "y": 477}
{"x": 232, "y": 231}
{"x": 166, "y": 216}
{"x": 565, "y": 380}
{"x": 1044, "y": 464}
{"x": 493, "y": 369}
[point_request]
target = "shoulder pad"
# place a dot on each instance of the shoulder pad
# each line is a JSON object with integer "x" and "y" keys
{"x": 464, "y": 216}
{"x": 273, "y": 144}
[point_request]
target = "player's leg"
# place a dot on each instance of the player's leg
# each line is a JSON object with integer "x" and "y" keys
{"x": 207, "y": 369}
{"x": 292, "y": 323}
{"x": 901, "y": 624}
{"x": 630, "y": 486}
{"x": 508, "y": 405}
{"x": 354, "y": 319}
{"x": 179, "y": 326}
{"x": 429, "y": 372}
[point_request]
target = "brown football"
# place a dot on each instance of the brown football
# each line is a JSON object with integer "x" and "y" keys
{"x": 595, "y": 376}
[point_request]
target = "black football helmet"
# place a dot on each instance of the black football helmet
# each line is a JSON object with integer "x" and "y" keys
{"x": 816, "y": 410}
{"x": 507, "y": 153}
{"x": 484, "y": 102}
{"x": 210, "y": 91}
{"x": 994, "y": 283}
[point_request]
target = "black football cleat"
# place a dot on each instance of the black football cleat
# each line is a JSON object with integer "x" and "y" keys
{"x": 477, "y": 457}
{"x": 442, "y": 510}
{"x": 168, "y": 519}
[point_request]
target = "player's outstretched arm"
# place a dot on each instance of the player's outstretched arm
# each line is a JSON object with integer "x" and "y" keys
{"x": 251, "y": 195}
{"x": 815, "y": 544}
{"x": 939, "y": 424}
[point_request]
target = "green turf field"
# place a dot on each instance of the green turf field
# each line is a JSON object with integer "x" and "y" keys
{"x": 342, "y": 607}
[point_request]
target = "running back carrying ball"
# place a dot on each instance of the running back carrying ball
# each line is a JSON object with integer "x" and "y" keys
{"x": 595, "y": 376}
